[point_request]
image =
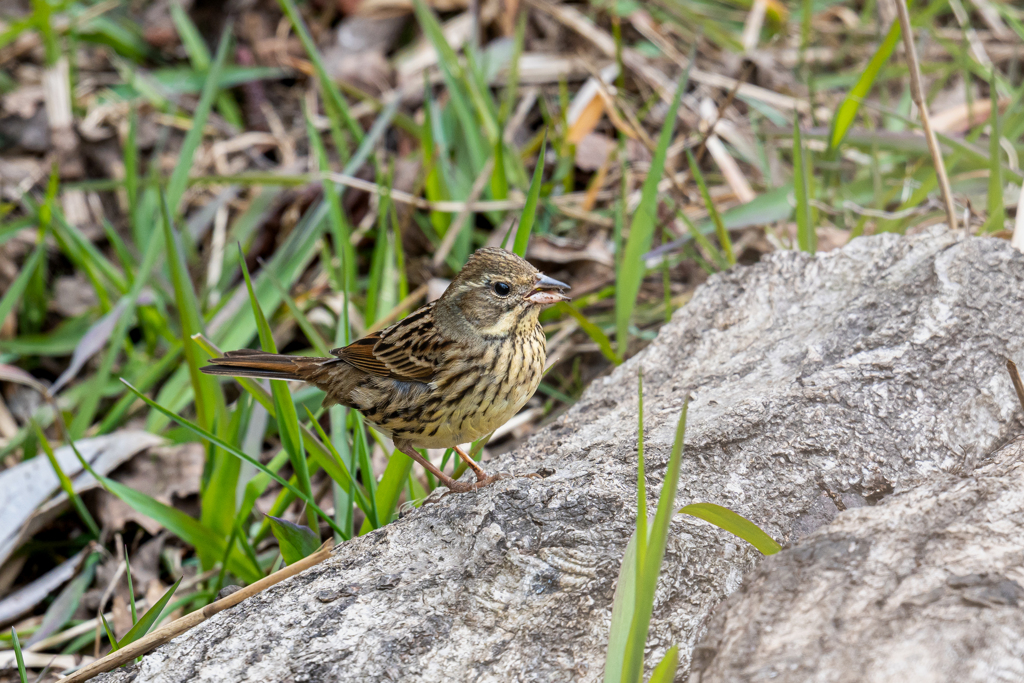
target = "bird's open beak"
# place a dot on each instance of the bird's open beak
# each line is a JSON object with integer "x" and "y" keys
{"x": 547, "y": 291}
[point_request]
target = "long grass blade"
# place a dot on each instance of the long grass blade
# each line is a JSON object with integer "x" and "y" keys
{"x": 996, "y": 209}
{"x": 529, "y": 214}
{"x": 847, "y": 112}
{"x": 806, "y": 235}
{"x": 22, "y": 674}
{"x": 716, "y": 217}
{"x": 647, "y": 581}
{"x": 623, "y": 608}
{"x": 65, "y": 483}
{"x": 736, "y": 524}
{"x": 330, "y": 89}
{"x": 149, "y": 619}
{"x": 206, "y": 391}
{"x": 641, "y": 230}
{"x": 17, "y": 288}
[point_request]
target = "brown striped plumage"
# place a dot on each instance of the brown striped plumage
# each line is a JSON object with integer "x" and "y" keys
{"x": 451, "y": 372}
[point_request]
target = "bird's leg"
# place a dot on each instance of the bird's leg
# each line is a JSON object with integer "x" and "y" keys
{"x": 472, "y": 464}
{"x": 452, "y": 485}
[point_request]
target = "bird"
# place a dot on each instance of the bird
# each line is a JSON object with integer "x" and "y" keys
{"x": 449, "y": 373}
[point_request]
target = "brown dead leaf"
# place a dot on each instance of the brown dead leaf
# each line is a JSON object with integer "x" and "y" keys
{"x": 167, "y": 473}
{"x": 145, "y": 562}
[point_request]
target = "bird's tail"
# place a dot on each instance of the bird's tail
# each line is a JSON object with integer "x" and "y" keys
{"x": 253, "y": 363}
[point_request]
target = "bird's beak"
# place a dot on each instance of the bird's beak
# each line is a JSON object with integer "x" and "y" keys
{"x": 547, "y": 291}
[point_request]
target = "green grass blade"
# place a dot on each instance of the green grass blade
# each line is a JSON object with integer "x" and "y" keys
{"x": 206, "y": 390}
{"x": 191, "y": 40}
{"x": 641, "y": 479}
{"x": 362, "y": 452}
{"x": 199, "y": 56}
{"x": 529, "y": 215}
{"x": 179, "y": 176}
{"x": 284, "y": 405}
{"x": 110, "y": 634}
{"x": 806, "y": 235}
{"x": 22, "y": 674}
{"x": 149, "y": 619}
{"x": 434, "y": 186}
{"x": 716, "y": 217}
{"x": 996, "y": 210}
{"x": 295, "y": 541}
{"x": 131, "y": 587}
{"x": 218, "y": 495}
{"x": 499, "y": 180}
{"x": 65, "y": 483}
{"x": 390, "y": 487}
{"x": 17, "y": 288}
{"x": 735, "y": 524}
{"x": 595, "y": 333}
{"x": 647, "y": 581}
{"x": 665, "y": 672}
{"x": 623, "y": 606}
{"x": 641, "y": 230}
{"x": 847, "y": 112}
{"x": 88, "y": 407}
{"x": 340, "y": 231}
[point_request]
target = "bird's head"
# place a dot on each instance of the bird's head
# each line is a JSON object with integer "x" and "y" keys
{"x": 497, "y": 292}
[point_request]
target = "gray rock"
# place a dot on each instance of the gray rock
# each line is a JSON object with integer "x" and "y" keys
{"x": 853, "y": 374}
{"x": 926, "y": 586}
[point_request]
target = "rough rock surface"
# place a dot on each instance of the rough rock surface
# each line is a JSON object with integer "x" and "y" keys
{"x": 842, "y": 377}
{"x": 926, "y": 586}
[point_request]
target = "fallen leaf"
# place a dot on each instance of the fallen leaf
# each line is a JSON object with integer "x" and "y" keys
{"x": 166, "y": 473}
{"x": 27, "y": 485}
{"x": 24, "y": 600}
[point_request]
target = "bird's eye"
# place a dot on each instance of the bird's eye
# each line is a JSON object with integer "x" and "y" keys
{"x": 502, "y": 289}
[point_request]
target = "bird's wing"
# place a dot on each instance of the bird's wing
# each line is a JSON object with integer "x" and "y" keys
{"x": 409, "y": 350}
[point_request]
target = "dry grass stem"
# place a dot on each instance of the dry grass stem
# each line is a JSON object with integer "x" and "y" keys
{"x": 179, "y": 626}
{"x": 917, "y": 93}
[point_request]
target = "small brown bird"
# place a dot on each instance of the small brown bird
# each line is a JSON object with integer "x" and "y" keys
{"x": 451, "y": 372}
